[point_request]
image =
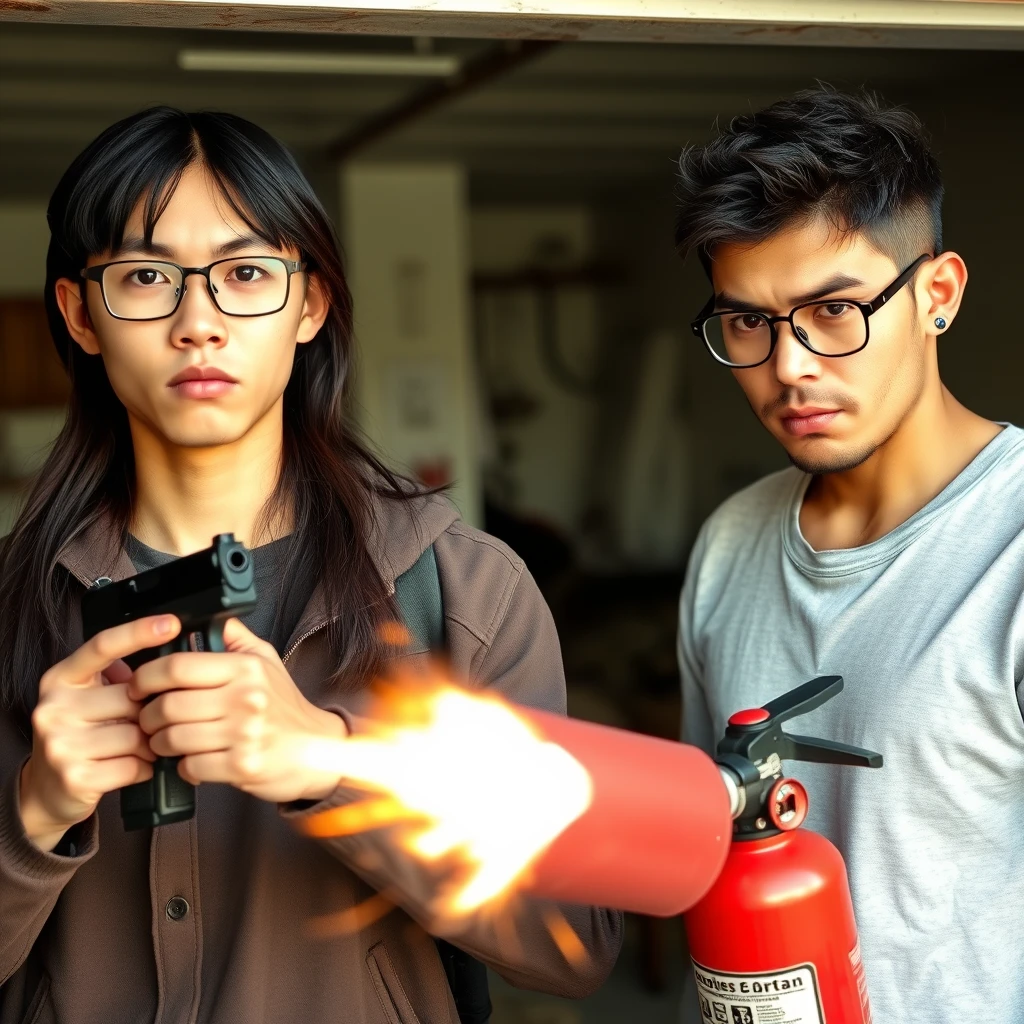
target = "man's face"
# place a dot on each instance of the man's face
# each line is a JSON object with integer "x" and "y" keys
{"x": 254, "y": 355}
{"x": 830, "y": 414}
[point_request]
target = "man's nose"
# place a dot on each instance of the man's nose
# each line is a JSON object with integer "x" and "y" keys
{"x": 198, "y": 320}
{"x": 793, "y": 360}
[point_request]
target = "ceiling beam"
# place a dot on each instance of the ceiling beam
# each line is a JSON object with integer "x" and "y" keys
{"x": 960, "y": 24}
{"x": 475, "y": 73}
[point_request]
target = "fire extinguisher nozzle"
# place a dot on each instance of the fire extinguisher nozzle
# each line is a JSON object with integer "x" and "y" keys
{"x": 737, "y": 792}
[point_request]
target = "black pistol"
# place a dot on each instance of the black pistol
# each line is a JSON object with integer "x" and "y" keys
{"x": 203, "y": 590}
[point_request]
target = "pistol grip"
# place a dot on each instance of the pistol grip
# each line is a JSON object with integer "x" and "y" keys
{"x": 161, "y": 800}
{"x": 166, "y": 797}
{"x": 213, "y": 636}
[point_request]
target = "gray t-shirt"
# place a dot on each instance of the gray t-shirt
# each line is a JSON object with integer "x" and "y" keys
{"x": 279, "y": 608}
{"x": 926, "y": 626}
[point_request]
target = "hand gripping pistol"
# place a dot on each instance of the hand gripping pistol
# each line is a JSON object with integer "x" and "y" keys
{"x": 203, "y": 590}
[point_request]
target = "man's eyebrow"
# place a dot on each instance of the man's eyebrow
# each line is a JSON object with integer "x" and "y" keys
{"x": 726, "y": 301}
{"x": 239, "y": 243}
{"x": 232, "y": 245}
{"x": 833, "y": 284}
{"x": 141, "y": 246}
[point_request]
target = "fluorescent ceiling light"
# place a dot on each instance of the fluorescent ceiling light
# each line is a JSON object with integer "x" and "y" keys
{"x": 414, "y": 64}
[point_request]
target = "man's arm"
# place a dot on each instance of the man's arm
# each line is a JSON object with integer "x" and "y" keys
{"x": 697, "y": 726}
{"x": 31, "y": 880}
{"x": 515, "y": 652}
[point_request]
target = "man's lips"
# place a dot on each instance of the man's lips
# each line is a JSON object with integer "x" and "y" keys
{"x": 202, "y": 382}
{"x": 800, "y": 422}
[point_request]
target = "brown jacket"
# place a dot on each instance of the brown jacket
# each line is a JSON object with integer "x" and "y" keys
{"x": 94, "y": 938}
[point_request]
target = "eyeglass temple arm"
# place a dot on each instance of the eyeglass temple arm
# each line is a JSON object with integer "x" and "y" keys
{"x": 880, "y": 300}
{"x": 697, "y": 325}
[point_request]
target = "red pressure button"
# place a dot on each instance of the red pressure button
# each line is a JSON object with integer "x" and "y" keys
{"x": 752, "y": 716}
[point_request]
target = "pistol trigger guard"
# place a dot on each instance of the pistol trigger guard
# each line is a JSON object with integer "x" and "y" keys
{"x": 213, "y": 637}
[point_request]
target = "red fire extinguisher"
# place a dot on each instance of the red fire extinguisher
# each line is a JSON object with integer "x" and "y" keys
{"x": 774, "y": 940}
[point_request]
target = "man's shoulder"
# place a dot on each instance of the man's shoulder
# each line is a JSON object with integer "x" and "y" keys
{"x": 1006, "y": 467}
{"x": 752, "y": 510}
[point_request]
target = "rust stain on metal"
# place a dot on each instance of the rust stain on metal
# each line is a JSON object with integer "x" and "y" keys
{"x": 35, "y": 6}
{"x": 796, "y": 30}
{"x": 337, "y": 18}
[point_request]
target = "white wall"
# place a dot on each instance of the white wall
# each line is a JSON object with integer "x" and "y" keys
{"x": 405, "y": 230}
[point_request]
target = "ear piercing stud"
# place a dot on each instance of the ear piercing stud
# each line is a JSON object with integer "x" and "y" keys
{"x": 940, "y": 322}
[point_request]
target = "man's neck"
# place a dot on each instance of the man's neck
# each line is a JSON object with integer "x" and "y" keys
{"x": 186, "y": 496}
{"x": 933, "y": 445}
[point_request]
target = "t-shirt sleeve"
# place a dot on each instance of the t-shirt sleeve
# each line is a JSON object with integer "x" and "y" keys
{"x": 697, "y": 727}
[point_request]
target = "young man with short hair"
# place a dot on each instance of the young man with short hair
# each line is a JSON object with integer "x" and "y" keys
{"x": 891, "y": 553}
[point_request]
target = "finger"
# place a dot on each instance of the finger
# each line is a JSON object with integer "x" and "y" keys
{"x": 115, "y": 773}
{"x": 178, "y": 706}
{"x": 97, "y": 655}
{"x": 192, "y": 738}
{"x": 117, "y": 672}
{"x": 186, "y": 670}
{"x": 106, "y": 704}
{"x": 238, "y": 637}
{"x": 209, "y": 767}
{"x": 112, "y": 741}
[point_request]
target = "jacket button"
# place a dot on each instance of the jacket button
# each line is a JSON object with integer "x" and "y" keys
{"x": 176, "y": 908}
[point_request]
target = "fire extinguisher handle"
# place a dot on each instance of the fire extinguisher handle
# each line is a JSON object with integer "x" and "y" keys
{"x": 808, "y": 748}
{"x": 804, "y": 698}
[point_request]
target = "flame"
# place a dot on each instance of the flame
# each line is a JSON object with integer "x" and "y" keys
{"x": 352, "y": 919}
{"x": 465, "y": 777}
{"x": 565, "y": 937}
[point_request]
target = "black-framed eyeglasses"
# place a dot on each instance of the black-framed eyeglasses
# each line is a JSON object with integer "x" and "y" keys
{"x": 153, "y": 289}
{"x": 829, "y": 327}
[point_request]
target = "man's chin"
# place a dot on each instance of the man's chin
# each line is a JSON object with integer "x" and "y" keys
{"x": 210, "y": 437}
{"x": 820, "y": 458}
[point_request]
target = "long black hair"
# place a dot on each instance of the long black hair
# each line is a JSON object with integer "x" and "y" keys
{"x": 328, "y": 477}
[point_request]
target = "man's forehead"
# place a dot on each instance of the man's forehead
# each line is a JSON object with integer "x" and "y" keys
{"x": 782, "y": 270}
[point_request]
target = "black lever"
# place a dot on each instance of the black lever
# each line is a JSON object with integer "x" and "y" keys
{"x": 755, "y": 745}
{"x": 804, "y": 698}
{"x": 756, "y": 734}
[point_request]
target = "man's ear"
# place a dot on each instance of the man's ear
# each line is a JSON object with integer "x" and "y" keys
{"x": 76, "y": 315}
{"x": 315, "y": 308}
{"x": 942, "y": 282}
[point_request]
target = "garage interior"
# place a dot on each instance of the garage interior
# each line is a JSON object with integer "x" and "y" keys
{"x": 506, "y": 210}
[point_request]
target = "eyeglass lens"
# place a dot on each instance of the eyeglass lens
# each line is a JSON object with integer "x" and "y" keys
{"x": 828, "y": 328}
{"x": 149, "y": 289}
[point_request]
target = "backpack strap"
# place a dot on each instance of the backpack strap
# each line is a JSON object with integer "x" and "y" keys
{"x": 418, "y": 593}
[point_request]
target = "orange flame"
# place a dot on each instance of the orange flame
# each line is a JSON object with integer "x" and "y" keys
{"x": 466, "y": 777}
{"x": 352, "y": 919}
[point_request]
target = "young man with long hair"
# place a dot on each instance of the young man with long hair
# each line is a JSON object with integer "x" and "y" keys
{"x": 891, "y": 553}
{"x": 196, "y": 295}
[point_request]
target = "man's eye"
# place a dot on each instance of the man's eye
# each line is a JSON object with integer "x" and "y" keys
{"x": 832, "y": 310}
{"x": 246, "y": 274}
{"x": 146, "y": 276}
{"x": 747, "y": 322}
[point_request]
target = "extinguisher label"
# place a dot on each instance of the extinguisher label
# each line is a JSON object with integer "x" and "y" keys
{"x": 862, "y": 982}
{"x": 787, "y": 996}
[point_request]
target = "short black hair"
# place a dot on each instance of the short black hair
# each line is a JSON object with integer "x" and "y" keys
{"x": 864, "y": 166}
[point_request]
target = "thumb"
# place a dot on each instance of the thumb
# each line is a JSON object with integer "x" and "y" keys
{"x": 116, "y": 672}
{"x": 239, "y": 638}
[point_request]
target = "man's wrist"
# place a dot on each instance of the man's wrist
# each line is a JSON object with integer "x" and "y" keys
{"x": 41, "y": 831}
{"x": 331, "y": 729}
